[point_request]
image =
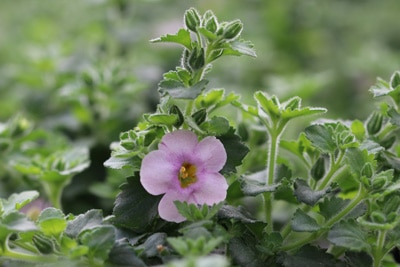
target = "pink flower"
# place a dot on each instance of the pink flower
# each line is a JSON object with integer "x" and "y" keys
{"x": 185, "y": 169}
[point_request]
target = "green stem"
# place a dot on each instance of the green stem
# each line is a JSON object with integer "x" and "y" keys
{"x": 54, "y": 193}
{"x": 378, "y": 252}
{"x": 334, "y": 167}
{"x": 328, "y": 224}
{"x": 274, "y": 136}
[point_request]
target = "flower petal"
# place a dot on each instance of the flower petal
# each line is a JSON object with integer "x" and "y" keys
{"x": 210, "y": 189}
{"x": 167, "y": 209}
{"x": 158, "y": 173}
{"x": 181, "y": 142}
{"x": 212, "y": 154}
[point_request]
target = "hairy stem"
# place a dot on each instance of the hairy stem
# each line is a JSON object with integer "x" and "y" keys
{"x": 274, "y": 137}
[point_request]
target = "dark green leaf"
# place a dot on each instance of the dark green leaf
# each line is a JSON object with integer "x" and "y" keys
{"x": 135, "y": 209}
{"x": 301, "y": 222}
{"x": 305, "y": 194}
{"x": 308, "y": 256}
{"x": 251, "y": 185}
{"x": 244, "y": 253}
{"x": 332, "y": 206}
{"x": 151, "y": 243}
{"x": 235, "y": 150}
{"x": 123, "y": 254}
{"x": 358, "y": 259}
{"x": 99, "y": 240}
{"x": 230, "y": 212}
{"x": 348, "y": 234}
{"x": 182, "y": 37}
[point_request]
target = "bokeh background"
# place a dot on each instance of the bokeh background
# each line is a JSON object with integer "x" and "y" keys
{"x": 86, "y": 69}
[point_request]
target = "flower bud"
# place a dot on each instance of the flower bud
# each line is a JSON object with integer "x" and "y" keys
{"x": 395, "y": 80}
{"x": 232, "y": 30}
{"x": 318, "y": 169}
{"x": 391, "y": 217}
{"x": 196, "y": 59}
{"x": 388, "y": 142}
{"x": 378, "y": 182}
{"x": 293, "y": 103}
{"x": 374, "y": 123}
{"x": 43, "y": 243}
{"x": 175, "y": 110}
{"x": 192, "y": 19}
{"x": 378, "y": 217}
{"x": 200, "y": 116}
{"x": 211, "y": 24}
{"x": 185, "y": 59}
{"x": 367, "y": 170}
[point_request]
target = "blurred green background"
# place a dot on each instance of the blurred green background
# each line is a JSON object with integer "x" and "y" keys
{"x": 86, "y": 68}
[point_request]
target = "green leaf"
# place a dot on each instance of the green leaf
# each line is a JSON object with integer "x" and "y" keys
{"x": 358, "y": 259}
{"x": 239, "y": 48}
{"x": 52, "y": 221}
{"x": 16, "y": 222}
{"x": 381, "y": 88}
{"x": 182, "y": 37}
{"x": 308, "y": 256}
{"x": 230, "y": 212}
{"x": 305, "y": 194}
{"x": 162, "y": 119}
{"x": 394, "y": 116}
{"x": 210, "y": 98}
{"x": 151, "y": 243}
{"x": 244, "y": 253}
{"x": 193, "y": 212}
{"x": 301, "y": 222}
{"x": 251, "y": 185}
{"x": 135, "y": 209}
{"x": 332, "y": 206}
{"x": 216, "y": 126}
{"x": 83, "y": 222}
{"x": 321, "y": 137}
{"x": 123, "y": 254}
{"x": 270, "y": 105}
{"x": 307, "y": 111}
{"x": 348, "y": 234}
{"x": 235, "y": 150}
{"x": 100, "y": 241}
{"x": 16, "y": 201}
{"x": 178, "y": 90}
{"x": 357, "y": 128}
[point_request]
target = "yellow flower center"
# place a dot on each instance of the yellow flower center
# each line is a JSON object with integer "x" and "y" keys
{"x": 187, "y": 175}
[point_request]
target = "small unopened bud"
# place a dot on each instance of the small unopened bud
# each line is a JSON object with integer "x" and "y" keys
{"x": 175, "y": 110}
{"x": 374, "y": 123}
{"x": 318, "y": 169}
{"x": 388, "y": 142}
{"x": 378, "y": 182}
{"x": 200, "y": 116}
{"x": 367, "y": 170}
{"x": 232, "y": 30}
{"x": 192, "y": 19}
{"x": 211, "y": 24}
{"x": 395, "y": 80}
{"x": 378, "y": 217}
{"x": 196, "y": 59}
{"x": 293, "y": 103}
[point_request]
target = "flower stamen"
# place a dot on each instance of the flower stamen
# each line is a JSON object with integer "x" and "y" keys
{"x": 187, "y": 175}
